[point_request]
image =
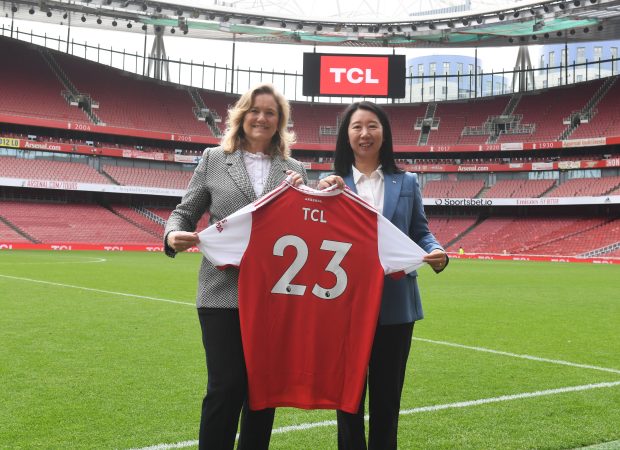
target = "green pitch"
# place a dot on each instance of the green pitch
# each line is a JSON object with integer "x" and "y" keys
{"x": 102, "y": 350}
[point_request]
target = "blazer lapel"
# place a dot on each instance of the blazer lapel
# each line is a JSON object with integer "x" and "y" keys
{"x": 239, "y": 174}
{"x": 348, "y": 180}
{"x": 277, "y": 173}
{"x": 392, "y": 184}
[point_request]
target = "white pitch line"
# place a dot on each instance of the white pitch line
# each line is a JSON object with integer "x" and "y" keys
{"x": 504, "y": 398}
{"x": 36, "y": 263}
{"x": 518, "y": 355}
{"x": 482, "y": 401}
{"x": 101, "y": 291}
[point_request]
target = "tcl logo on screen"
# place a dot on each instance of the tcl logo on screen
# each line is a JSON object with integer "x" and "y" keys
{"x": 331, "y": 74}
{"x": 354, "y": 75}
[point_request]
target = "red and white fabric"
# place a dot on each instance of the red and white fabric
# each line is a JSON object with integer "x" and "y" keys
{"x": 311, "y": 269}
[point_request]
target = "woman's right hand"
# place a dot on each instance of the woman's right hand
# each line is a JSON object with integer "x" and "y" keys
{"x": 330, "y": 181}
{"x": 180, "y": 241}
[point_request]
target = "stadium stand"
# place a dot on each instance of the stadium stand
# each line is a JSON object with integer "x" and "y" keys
{"x": 519, "y": 189}
{"x": 133, "y": 176}
{"x": 165, "y": 213}
{"x": 315, "y": 123}
{"x": 579, "y": 187}
{"x": 128, "y": 102}
{"x": 402, "y": 121}
{"x": 613, "y": 254}
{"x": 606, "y": 120}
{"x": 220, "y": 103}
{"x": 541, "y": 236}
{"x": 447, "y": 229}
{"x": 8, "y": 234}
{"x": 48, "y": 223}
{"x": 141, "y": 221}
{"x": 598, "y": 235}
{"x": 453, "y": 189}
{"x": 133, "y": 102}
{"x": 547, "y": 110}
{"x": 42, "y": 169}
{"x": 455, "y": 116}
{"x": 29, "y": 87}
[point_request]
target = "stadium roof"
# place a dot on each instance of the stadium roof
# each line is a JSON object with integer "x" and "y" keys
{"x": 466, "y": 24}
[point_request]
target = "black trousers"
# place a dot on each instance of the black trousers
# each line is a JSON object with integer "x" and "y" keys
{"x": 386, "y": 376}
{"x": 227, "y": 388}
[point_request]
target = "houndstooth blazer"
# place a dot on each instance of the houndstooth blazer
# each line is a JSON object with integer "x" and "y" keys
{"x": 221, "y": 185}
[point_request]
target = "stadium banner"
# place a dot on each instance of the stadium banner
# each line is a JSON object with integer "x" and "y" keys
{"x": 73, "y": 246}
{"x": 612, "y": 162}
{"x": 547, "y": 258}
{"x": 509, "y": 167}
{"x": 83, "y": 149}
{"x": 46, "y": 146}
{"x": 511, "y": 146}
{"x": 187, "y": 159}
{"x": 538, "y": 201}
{"x": 9, "y": 142}
{"x": 116, "y": 247}
{"x": 89, "y": 187}
{"x": 138, "y": 154}
{"x": 105, "y": 129}
{"x": 589, "y": 142}
{"x": 542, "y": 166}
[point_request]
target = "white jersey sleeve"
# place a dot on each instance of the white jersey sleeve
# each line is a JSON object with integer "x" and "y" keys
{"x": 224, "y": 243}
{"x": 398, "y": 254}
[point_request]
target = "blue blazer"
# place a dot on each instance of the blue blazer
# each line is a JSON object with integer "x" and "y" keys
{"x": 402, "y": 205}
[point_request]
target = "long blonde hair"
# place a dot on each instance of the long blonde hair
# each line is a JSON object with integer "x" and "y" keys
{"x": 234, "y": 138}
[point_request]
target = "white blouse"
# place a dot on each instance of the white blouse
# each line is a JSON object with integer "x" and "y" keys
{"x": 257, "y": 165}
{"x": 370, "y": 188}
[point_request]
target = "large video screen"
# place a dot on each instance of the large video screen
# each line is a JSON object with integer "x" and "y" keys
{"x": 339, "y": 75}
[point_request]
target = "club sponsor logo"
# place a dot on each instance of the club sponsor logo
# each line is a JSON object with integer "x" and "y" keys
{"x": 463, "y": 202}
{"x": 41, "y": 146}
{"x": 60, "y": 247}
{"x": 354, "y": 75}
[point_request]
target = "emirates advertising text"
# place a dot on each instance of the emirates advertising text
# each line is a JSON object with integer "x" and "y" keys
{"x": 354, "y": 75}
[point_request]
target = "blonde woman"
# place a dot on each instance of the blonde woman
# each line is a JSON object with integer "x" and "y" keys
{"x": 253, "y": 158}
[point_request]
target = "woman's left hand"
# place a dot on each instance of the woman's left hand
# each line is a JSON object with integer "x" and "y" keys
{"x": 296, "y": 178}
{"x": 436, "y": 259}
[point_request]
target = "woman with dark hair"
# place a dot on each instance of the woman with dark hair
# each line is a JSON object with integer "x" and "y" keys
{"x": 252, "y": 160}
{"x": 364, "y": 161}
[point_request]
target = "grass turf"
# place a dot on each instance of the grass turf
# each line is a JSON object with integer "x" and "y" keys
{"x": 102, "y": 350}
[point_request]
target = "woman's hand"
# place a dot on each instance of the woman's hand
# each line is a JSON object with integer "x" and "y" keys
{"x": 436, "y": 259}
{"x": 180, "y": 241}
{"x": 330, "y": 181}
{"x": 296, "y": 178}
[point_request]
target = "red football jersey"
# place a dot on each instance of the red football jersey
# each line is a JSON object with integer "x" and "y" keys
{"x": 311, "y": 268}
